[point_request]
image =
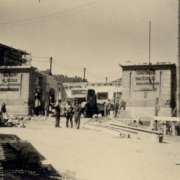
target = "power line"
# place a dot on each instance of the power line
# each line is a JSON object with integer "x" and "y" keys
{"x": 68, "y": 65}
{"x": 30, "y": 20}
{"x": 27, "y": 23}
{"x": 59, "y": 62}
{"x": 60, "y": 65}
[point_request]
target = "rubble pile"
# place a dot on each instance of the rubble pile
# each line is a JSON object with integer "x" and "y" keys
{"x": 13, "y": 121}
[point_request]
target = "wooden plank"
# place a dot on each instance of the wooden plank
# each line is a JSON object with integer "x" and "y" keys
{"x": 159, "y": 118}
{"x": 137, "y": 129}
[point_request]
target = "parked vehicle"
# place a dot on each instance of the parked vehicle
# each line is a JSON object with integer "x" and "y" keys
{"x": 92, "y": 99}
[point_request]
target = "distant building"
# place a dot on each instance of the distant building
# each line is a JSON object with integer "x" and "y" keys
{"x": 65, "y": 79}
{"x": 117, "y": 82}
{"x": 111, "y": 87}
{"x": 10, "y": 56}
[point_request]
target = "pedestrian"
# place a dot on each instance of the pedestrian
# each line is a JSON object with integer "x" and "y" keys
{"x": 77, "y": 113}
{"x": 105, "y": 113}
{"x": 177, "y": 128}
{"x": 3, "y": 109}
{"x": 46, "y": 109}
{"x": 168, "y": 128}
{"x": 36, "y": 107}
{"x": 107, "y": 108}
{"x": 69, "y": 114}
{"x": 116, "y": 108}
{"x": 57, "y": 113}
{"x": 122, "y": 105}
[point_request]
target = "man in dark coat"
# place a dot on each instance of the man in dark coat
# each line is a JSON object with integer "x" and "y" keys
{"x": 116, "y": 108}
{"x": 57, "y": 113}
{"x": 77, "y": 112}
{"x": 69, "y": 114}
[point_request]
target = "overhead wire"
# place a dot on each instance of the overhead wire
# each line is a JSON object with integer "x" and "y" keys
{"x": 68, "y": 65}
{"x": 58, "y": 62}
{"x": 60, "y": 65}
{"x": 32, "y": 20}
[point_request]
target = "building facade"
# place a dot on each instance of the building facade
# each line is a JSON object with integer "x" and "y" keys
{"x": 143, "y": 85}
{"x": 22, "y": 86}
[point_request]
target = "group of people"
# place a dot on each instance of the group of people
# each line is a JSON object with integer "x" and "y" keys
{"x": 70, "y": 111}
{"x": 116, "y": 107}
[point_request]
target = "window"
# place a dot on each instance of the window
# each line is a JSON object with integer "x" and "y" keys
{"x": 75, "y": 92}
{"x": 39, "y": 81}
{"x": 102, "y": 95}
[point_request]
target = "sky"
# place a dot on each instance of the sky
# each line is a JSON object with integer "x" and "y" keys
{"x": 94, "y": 34}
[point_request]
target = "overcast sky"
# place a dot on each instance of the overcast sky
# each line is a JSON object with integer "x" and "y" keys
{"x": 96, "y": 34}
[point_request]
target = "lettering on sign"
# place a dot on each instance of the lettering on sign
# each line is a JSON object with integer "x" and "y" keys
{"x": 147, "y": 83}
{"x": 145, "y": 80}
{"x": 11, "y": 84}
{"x": 9, "y": 74}
{"x": 9, "y": 89}
{"x": 148, "y": 71}
{"x": 8, "y": 81}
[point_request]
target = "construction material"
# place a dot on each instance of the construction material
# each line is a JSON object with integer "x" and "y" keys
{"x": 154, "y": 136}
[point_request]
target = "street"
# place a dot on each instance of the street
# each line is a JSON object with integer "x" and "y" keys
{"x": 93, "y": 155}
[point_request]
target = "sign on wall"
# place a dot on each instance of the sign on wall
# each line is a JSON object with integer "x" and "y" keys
{"x": 146, "y": 80}
{"x": 10, "y": 81}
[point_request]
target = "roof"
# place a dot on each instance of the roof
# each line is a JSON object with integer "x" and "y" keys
{"x": 6, "y": 48}
{"x": 159, "y": 65}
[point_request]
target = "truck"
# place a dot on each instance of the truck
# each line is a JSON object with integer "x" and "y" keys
{"x": 92, "y": 99}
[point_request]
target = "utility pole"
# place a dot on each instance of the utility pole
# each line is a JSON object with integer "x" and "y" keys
{"x": 149, "y": 42}
{"x": 50, "y": 66}
{"x": 106, "y": 79}
{"x": 84, "y": 74}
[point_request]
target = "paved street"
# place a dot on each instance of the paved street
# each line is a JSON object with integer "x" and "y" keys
{"x": 93, "y": 155}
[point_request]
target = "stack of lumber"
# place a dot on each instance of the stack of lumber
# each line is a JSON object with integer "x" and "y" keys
{"x": 20, "y": 160}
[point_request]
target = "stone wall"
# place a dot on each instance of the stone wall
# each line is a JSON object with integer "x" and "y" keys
{"x": 141, "y": 88}
{"x": 14, "y": 90}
